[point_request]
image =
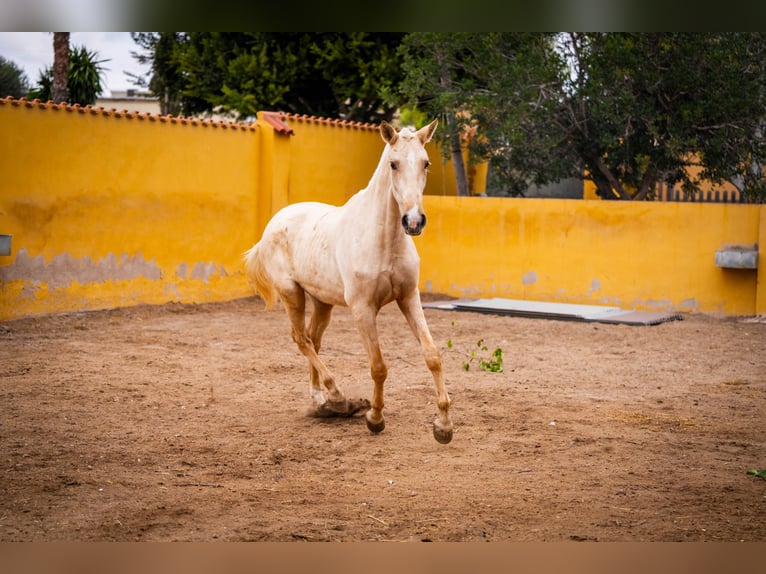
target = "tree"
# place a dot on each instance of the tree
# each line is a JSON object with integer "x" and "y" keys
{"x": 625, "y": 110}
{"x": 480, "y": 84}
{"x": 362, "y": 70}
{"x": 83, "y": 84}
{"x": 13, "y": 81}
{"x": 85, "y": 73}
{"x": 346, "y": 75}
{"x": 433, "y": 81}
{"x": 60, "y": 66}
{"x": 648, "y": 108}
{"x": 165, "y": 77}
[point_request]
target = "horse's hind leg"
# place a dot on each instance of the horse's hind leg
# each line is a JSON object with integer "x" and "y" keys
{"x": 294, "y": 300}
{"x": 320, "y": 319}
{"x": 336, "y": 404}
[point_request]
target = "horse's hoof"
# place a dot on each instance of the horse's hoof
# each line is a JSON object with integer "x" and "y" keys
{"x": 442, "y": 436}
{"x": 375, "y": 427}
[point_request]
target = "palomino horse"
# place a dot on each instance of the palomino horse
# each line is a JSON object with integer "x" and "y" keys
{"x": 359, "y": 255}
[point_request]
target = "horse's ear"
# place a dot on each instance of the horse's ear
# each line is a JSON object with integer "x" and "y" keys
{"x": 388, "y": 132}
{"x": 426, "y": 133}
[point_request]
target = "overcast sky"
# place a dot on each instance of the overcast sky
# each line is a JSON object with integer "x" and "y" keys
{"x": 33, "y": 51}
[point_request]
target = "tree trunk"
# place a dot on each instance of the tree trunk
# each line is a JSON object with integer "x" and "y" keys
{"x": 60, "y": 66}
{"x": 461, "y": 179}
{"x": 456, "y": 152}
{"x": 647, "y": 182}
{"x": 616, "y": 186}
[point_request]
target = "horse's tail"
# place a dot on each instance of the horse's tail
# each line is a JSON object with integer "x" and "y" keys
{"x": 257, "y": 274}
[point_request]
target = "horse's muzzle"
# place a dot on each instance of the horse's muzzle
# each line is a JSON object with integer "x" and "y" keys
{"x": 414, "y": 225}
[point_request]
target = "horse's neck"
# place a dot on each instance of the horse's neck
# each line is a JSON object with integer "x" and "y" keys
{"x": 377, "y": 210}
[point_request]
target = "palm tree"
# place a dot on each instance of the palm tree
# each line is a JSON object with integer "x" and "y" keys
{"x": 83, "y": 82}
{"x": 60, "y": 66}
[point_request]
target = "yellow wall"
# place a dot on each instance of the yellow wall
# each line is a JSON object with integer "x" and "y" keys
{"x": 109, "y": 210}
{"x": 649, "y": 256}
{"x": 760, "y": 297}
{"x": 331, "y": 161}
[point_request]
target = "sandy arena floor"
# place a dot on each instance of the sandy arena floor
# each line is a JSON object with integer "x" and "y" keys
{"x": 187, "y": 422}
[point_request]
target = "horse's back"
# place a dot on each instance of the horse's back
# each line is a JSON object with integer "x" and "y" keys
{"x": 298, "y": 213}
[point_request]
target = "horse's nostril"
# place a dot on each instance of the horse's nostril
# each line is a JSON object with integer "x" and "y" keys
{"x": 413, "y": 225}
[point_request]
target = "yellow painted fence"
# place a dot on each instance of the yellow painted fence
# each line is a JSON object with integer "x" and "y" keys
{"x": 635, "y": 255}
{"x": 110, "y": 208}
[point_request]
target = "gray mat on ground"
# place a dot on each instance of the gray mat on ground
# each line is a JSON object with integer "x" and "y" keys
{"x": 551, "y": 310}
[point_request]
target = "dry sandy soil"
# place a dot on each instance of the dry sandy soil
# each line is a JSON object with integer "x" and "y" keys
{"x": 187, "y": 422}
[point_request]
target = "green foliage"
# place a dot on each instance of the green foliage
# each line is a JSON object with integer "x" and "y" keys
{"x": 492, "y": 363}
{"x": 43, "y": 90}
{"x": 625, "y": 110}
{"x": 495, "y": 363}
{"x": 13, "y": 81}
{"x": 481, "y": 82}
{"x": 165, "y": 79}
{"x": 83, "y": 79}
{"x": 659, "y": 104}
{"x": 412, "y": 116}
{"x": 331, "y": 74}
{"x": 434, "y": 79}
{"x": 758, "y": 473}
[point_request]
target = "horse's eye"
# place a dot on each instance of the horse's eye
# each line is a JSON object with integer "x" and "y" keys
{"x": 427, "y": 163}
{"x": 394, "y": 166}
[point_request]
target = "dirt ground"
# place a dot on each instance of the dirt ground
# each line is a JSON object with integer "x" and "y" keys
{"x": 187, "y": 422}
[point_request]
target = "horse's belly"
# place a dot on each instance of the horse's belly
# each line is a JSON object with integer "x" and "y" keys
{"x": 316, "y": 270}
{"x": 325, "y": 294}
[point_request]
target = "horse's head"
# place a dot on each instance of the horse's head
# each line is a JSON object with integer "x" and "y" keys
{"x": 408, "y": 163}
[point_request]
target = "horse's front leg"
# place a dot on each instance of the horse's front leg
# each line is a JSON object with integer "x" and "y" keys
{"x": 365, "y": 318}
{"x": 413, "y": 311}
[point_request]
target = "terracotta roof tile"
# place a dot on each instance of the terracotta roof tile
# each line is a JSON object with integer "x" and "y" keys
{"x": 125, "y": 114}
{"x": 277, "y": 121}
{"x": 329, "y": 121}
